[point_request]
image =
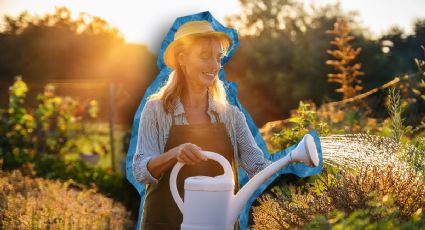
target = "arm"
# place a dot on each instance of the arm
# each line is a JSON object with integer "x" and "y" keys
{"x": 251, "y": 157}
{"x": 147, "y": 145}
{"x": 149, "y": 163}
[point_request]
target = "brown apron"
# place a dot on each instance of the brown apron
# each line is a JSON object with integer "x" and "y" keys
{"x": 160, "y": 210}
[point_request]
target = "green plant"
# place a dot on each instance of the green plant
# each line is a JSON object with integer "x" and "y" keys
{"x": 57, "y": 125}
{"x": 53, "y": 128}
{"x": 413, "y": 153}
{"x": 395, "y": 109}
{"x": 17, "y": 128}
{"x": 303, "y": 121}
{"x": 41, "y": 143}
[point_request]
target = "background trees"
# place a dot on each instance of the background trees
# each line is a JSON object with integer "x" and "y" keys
{"x": 282, "y": 54}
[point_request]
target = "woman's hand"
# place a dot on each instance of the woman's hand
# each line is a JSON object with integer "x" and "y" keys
{"x": 189, "y": 153}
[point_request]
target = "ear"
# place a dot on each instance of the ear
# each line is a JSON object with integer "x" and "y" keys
{"x": 181, "y": 59}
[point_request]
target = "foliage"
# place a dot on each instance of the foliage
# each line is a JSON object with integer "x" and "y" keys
{"x": 421, "y": 84}
{"x": 53, "y": 128}
{"x": 280, "y": 59}
{"x": 412, "y": 90}
{"x": 281, "y": 53}
{"x": 347, "y": 118}
{"x": 395, "y": 110}
{"x": 420, "y": 90}
{"x": 353, "y": 192}
{"x": 79, "y": 52}
{"x": 412, "y": 151}
{"x": 62, "y": 17}
{"x": 304, "y": 120}
{"x": 348, "y": 73}
{"x": 361, "y": 218}
{"x": 385, "y": 195}
{"x": 39, "y": 143}
{"x": 42, "y": 41}
{"x": 27, "y": 203}
{"x": 17, "y": 128}
{"x": 112, "y": 184}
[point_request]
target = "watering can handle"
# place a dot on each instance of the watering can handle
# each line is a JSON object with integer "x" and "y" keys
{"x": 228, "y": 173}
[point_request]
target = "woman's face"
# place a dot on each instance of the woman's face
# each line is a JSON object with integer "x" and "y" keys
{"x": 201, "y": 62}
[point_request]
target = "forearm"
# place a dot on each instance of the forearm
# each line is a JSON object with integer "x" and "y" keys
{"x": 162, "y": 162}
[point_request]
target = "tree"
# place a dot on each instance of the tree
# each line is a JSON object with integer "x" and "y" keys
{"x": 280, "y": 57}
{"x": 78, "y": 54}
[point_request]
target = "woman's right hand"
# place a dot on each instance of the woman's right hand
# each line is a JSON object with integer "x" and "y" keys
{"x": 189, "y": 153}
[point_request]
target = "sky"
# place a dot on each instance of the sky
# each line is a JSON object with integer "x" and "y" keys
{"x": 147, "y": 22}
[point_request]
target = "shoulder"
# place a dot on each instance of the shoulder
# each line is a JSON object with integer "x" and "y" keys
{"x": 153, "y": 109}
{"x": 153, "y": 105}
{"x": 230, "y": 111}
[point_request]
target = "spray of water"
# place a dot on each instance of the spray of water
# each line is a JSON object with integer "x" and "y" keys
{"x": 356, "y": 151}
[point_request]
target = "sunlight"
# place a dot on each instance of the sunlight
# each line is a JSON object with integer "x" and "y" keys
{"x": 138, "y": 21}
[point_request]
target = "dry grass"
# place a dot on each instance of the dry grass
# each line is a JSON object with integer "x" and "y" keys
{"x": 353, "y": 192}
{"x": 27, "y": 203}
{"x": 348, "y": 193}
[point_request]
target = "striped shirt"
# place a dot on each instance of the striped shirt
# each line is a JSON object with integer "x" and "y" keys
{"x": 154, "y": 127}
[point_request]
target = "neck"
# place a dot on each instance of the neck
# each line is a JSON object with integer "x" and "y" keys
{"x": 193, "y": 98}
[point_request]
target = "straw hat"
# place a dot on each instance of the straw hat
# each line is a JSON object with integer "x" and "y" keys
{"x": 191, "y": 28}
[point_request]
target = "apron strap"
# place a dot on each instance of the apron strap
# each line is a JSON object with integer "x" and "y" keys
{"x": 173, "y": 122}
{"x": 217, "y": 117}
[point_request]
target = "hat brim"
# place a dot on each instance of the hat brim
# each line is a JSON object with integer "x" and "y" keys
{"x": 169, "y": 57}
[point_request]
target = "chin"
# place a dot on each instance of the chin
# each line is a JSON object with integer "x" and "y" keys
{"x": 208, "y": 82}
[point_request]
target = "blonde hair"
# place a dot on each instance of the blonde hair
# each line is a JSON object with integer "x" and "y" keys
{"x": 173, "y": 88}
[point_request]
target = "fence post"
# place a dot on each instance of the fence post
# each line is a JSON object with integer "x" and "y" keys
{"x": 111, "y": 121}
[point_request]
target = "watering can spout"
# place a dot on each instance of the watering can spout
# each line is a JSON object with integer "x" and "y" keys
{"x": 305, "y": 152}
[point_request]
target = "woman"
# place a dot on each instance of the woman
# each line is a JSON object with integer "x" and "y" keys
{"x": 188, "y": 114}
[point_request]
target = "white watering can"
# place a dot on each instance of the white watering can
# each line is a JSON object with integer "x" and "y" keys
{"x": 209, "y": 202}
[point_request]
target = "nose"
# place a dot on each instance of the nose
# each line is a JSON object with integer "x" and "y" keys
{"x": 215, "y": 64}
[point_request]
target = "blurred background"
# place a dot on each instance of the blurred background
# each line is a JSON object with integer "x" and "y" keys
{"x": 72, "y": 74}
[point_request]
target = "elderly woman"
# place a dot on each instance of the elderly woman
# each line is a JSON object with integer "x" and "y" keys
{"x": 188, "y": 114}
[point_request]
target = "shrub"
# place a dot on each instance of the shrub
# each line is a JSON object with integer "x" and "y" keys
{"x": 27, "y": 203}
{"x": 361, "y": 218}
{"x": 346, "y": 193}
{"x": 111, "y": 184}
{"x": 53, "y": 128}
{"x": 38, "y": 142}
{"x": 303, "y": 121}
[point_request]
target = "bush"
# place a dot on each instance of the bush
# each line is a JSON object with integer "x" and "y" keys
{"x": 27, "y": 203}
{"x": 53, "y": 128}
{"x": 303, "y": 121}
{"x": 38, "y": 142}
{"x": 361, "y": 219}
{"x": 346, "y": 193}
{"x": 111, "y": 184}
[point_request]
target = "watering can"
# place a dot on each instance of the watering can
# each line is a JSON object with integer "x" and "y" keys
{"x": 209, "y": 202}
